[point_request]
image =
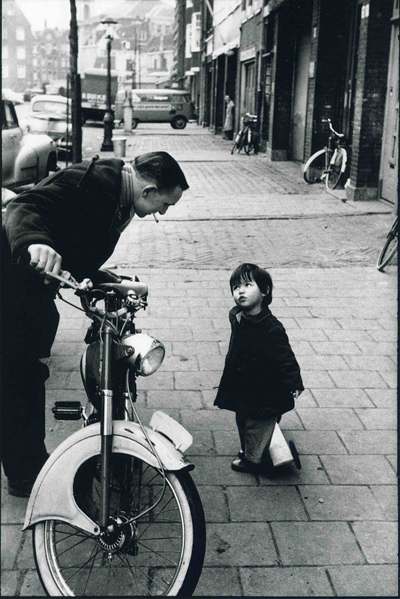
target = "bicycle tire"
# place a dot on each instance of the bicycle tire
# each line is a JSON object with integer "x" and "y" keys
{"x": 314, "y": 168}
{"x": 335, "y": 168}
{"x": 162, "y": 554}
{"x": 389, "y": 247}
{"x": 251, "y": 145}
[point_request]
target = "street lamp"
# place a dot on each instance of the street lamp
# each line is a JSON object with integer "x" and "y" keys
{"x": 107, "y": 145}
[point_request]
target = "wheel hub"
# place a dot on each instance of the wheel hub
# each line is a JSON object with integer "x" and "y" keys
{"x": 117, "y": 536}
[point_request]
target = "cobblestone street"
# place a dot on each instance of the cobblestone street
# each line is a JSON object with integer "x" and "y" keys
{"x": 329, "y": 529}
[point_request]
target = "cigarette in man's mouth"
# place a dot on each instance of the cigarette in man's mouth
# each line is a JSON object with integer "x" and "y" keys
{"x": 155, "y": 218}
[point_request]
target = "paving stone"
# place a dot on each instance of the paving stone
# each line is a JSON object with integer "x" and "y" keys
{"x": 375, "y": 362}
{"x": 316, "y": 379}
{"x": 290, "y": 420}
{"x": 285, "y": 582}
{"x": 359, "y": 379}
{"x": 308, "y": 335}
{"x": 214, "y": 502}
{"x": 335, "y": 347}
{"x": 370, "y": 442}
{"x": 365, "y": 581}
{"x": 248, "y": 544}
{"x": 390, "y": 378}
{"x": 174, "y": 399}
{"x": 264, "y": 504}
{"x": 217, "y": 471}
{"x": 301, "y": 348}
{"x": 180, "y": 363}
{"x": 9, "y": 583}
{"x": 160, "y": 380}
{"x": 383, "y": 398}
{"x": 329, "y": 419}
{"x": 325, "y": 362}
{"x": 181, "y": 334}
{"x": 387, "y": 497}
{"x": 196, "y": 348}
{"x": 10, "y": 544}
{"x": 378, "y": 541}
{"x": 31, "y": 586}
{"x": 348, "y": 335}
{"x": 197, "y": 381}
{"x": 384, "y": 335}
{"x": 325, "y": 324}
{"x": 213, "y": 420}
{"x": 332, "y": 502}
{"x": 316, "y": 543}
{"x": 358, "y": 469}
{"x": 306, "y": 399}
{"x": 359, "y": 323}
{"x": 342, "y": 398}
{"x": 203, "y": 444}
{"x": 311, "y": 473}
{"x": 219, "y": 582}
{"x": 373, "y": 348}
{"x": 211, "y": 362}
{"x": 318, "y": 442}
{"x": 378, "y": 418}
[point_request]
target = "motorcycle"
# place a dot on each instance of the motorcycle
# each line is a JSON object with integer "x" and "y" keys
{"x": 114, "y": 510}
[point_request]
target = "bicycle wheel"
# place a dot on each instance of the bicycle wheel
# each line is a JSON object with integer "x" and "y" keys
{"x": 335, "y": 168}
{"x": 160, "y": 553}
{"x": 252, "y": 144}
{"x": 314, "y": 168}
{"x": 240, "y": 141}
{"x": 389, "y": 247}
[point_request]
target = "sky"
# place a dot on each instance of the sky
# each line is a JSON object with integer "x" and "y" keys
{"x": 55, "y": 13}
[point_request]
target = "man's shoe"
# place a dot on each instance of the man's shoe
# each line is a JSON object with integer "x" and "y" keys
{"x": 243, "y": 465}
{"x": 20, "y": 488}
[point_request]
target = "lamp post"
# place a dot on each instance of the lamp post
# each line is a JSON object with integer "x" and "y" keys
{"x": 107, "y": 145}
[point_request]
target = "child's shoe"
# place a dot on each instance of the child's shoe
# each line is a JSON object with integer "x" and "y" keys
{"x": 240, "y": 464}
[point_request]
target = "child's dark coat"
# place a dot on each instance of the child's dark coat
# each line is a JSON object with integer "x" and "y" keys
{"x": 261, "y": 371}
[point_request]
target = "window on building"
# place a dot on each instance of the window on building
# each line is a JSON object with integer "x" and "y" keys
{"x": 21, "y": 71}
{"x": 21, "y": 54}
{"x": 4, "y": 51}
{"x": 188, "y": 50}
{"x": 5, "y": 72}
{"x": 196, "y": 31}
{"x": 20, "y": 34}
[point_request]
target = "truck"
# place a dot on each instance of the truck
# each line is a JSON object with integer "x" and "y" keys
{"x": 94, "y": 91}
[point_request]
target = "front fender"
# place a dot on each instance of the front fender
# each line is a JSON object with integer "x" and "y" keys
{"x": 52, "y": 494}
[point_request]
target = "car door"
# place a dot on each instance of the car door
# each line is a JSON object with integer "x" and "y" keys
{"x": 11, "y": 136}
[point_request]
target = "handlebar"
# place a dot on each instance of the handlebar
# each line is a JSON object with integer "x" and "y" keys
{"x": 331, "y": 128}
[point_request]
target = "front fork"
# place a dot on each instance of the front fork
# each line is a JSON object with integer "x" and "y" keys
{"x": 106, "y": 426}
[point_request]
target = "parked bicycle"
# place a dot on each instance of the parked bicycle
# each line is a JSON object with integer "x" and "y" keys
{"x": 328, "y": 164}
{"x": 247, "y": 138}
{"x": 389, "y": 247}
{"x": 114, "y": 510}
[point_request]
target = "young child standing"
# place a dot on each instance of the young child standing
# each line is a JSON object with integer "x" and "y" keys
{"x": 261, "y": 377}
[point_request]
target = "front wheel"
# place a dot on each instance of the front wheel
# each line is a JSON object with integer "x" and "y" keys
{"x": 389, "y": 248}
{"x": 179, "y": 122}
{"x": 314, "y": 168}
{"x": 135, "y": 123}
{"x": 160, "y": 553}
{"x": 336, "y": 168}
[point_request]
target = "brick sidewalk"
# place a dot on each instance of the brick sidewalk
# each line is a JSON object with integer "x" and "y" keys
{"x": 329, "y": 529}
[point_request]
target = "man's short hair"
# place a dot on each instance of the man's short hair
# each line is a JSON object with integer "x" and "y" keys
{"x": 162, "y": 169}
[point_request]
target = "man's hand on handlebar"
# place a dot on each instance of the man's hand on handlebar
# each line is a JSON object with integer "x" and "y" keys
{"x": 44, "y": 259}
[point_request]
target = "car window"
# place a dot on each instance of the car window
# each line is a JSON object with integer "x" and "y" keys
{"x": 8, "y": 116}
{"x": 49, "y": 106}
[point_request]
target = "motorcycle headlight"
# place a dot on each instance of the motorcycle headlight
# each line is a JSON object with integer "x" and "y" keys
{"x": 148, "y": 353}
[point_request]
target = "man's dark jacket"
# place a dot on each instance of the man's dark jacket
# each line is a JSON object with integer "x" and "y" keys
{"x": 261, "y": 371}
{"x": 76, "y": 212}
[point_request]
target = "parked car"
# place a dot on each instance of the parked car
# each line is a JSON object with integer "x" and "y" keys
{"x": 157, "y": 106}
{"x": 26, "y": 158}
{"x": 52, "y": 115}
{"x": 31, "y": 92}
{"x": 14, "y": 97}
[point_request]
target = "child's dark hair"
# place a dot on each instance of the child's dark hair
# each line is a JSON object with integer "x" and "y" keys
{"x": 252, "y": 272}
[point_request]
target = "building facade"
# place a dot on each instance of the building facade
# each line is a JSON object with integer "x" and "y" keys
{"x": 17, "y": 45}
{"x": 296, "y": 63}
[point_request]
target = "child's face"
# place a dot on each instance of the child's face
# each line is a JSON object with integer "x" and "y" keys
{"x": 247, "y": 295}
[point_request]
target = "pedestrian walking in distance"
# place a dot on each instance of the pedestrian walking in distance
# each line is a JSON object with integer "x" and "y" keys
{"x": 261, "y": 377}
{"x": 70, "y": 221}
{"x": 228, "y": 125}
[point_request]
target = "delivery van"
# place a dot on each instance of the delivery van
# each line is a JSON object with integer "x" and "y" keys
{"x": 157, "y": 106}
